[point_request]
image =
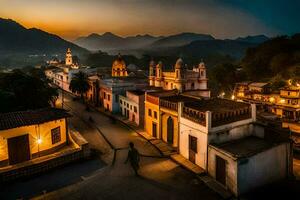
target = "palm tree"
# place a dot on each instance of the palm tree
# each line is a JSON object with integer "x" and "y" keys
{"x": 79, "y": 84}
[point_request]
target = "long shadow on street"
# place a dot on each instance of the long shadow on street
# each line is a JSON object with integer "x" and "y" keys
{"x": 53, "y": 180}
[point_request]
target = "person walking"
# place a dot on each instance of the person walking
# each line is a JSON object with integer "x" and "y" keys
{"x": 134, "y": 158}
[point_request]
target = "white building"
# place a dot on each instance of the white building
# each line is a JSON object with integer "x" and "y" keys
{"x": 132, "y": 106}
{"x": 221, "y": 137}
{"x": 181, "y": 78}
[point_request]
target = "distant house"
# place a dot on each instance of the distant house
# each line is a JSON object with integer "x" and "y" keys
{"x": 25, "y": 135}
{"x": 132, "y": 106}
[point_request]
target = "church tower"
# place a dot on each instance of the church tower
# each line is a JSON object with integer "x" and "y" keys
{"x": 179, "y": 75}
{"x": 202, "y": 75}
{"x": 151, "y": 73}
{"x": 69, "y": 60}
{"x": 158, "y": 75}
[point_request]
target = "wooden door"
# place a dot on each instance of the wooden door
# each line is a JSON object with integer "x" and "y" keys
{"x": 192, "y": 148}
{"x": 154, "y": 129}
{"x": 220, "y": 170}
{"x": 18, "y": 149}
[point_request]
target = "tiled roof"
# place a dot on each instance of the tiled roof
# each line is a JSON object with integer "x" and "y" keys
{"x": 258, "y": 84}
{"x": 30, "y": 117}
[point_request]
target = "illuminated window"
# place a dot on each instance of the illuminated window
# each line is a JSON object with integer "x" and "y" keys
{"x": 55, "y": 135}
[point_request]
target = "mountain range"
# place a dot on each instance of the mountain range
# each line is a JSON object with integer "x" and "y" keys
{"x": 16, "y": 39}
{"x": 189, "y": 44}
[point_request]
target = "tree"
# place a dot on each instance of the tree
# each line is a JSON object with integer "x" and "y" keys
{"x": 225, "y": 76}
{"x": 20, "y": 91}
{"x": 79, "y": 84}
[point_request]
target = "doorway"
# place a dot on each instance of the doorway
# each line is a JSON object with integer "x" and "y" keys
{"x": 170, "y": 130}
{"x": 192, "y": 148}
{"x": 220, "y": 170}
{"x": 18, "y": 149}
{"x": 154, "y": 129}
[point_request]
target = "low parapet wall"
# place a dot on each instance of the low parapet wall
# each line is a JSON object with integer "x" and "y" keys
{"x": 78, "y": 149}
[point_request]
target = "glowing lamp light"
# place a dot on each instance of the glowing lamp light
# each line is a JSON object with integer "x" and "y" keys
{"x": 39, "y": 141}
{"x": 272, "y": 99}
{"x": 282, "y": 100}
{"x": 232, "y": 97}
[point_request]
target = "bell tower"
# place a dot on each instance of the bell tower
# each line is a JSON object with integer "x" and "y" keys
{"x": 158, "y": 74}
{"x": 69, "y": 60}
{"x": 151, "y": 73}
{"x": 179, "y": 74}
{"x": 202, "y": 75}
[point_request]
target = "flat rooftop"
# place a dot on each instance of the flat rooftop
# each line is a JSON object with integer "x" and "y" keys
{"x": 179, "y": 98}
{"x": 163, "y": 93}
{"x": 244, "y": 147}
{"x": 216, "y": 105}
{"x": 137, "y": 92}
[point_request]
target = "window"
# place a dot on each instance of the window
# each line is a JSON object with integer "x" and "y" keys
{"x": 121, "y": 102}
{"x": 201, "y": 73}
{"x": 55, "y": 135}
{"x": 104, "y": 95}
{"x": 135, "y": 109}
{"x": 149, "y": 112}
{"x": 127, "y": 105}
{"x": 130, "y": 107}
{"x": 108, "y": 97}
{"x": 289, "y": 93}
{"x": 155, "y": 114}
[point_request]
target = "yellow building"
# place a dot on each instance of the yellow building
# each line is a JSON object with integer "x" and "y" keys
{"x": 288, "y": 107}
{"x": 25, "y": 135}
{"x": 119, "y": 67}
{"x": 169, "y": 111}
{"x": 152, "y": 116}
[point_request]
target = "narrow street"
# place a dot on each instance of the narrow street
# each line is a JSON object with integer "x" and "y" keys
{"x": 160, "y": 178}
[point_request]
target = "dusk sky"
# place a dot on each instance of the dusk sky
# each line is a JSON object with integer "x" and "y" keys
{"x": 220, "y": 18}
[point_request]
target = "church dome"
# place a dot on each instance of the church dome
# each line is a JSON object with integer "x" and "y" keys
{"x": 119, "y": 62}
{"x": 152, "y": 63}
{"x": 159, "y": 65}
{"x": 201, "y": 64}
{"x": 179, "y": 63}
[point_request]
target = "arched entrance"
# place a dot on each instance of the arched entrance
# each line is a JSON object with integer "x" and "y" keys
{"x": 170, "y": 130}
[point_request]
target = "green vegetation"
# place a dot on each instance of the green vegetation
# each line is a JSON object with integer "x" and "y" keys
{"x": 275, "y": 60}
{"x": 21, "y": 91}
{"x": 79, "y": 84}
{"x": 280, "y": 55}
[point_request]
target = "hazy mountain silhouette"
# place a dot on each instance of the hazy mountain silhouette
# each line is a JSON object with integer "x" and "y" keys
{"x": 180, "y": 40}
{"x": 16, "y": 39}
{"x": 257, "y": 39}
{"x": 109, "y": 41}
